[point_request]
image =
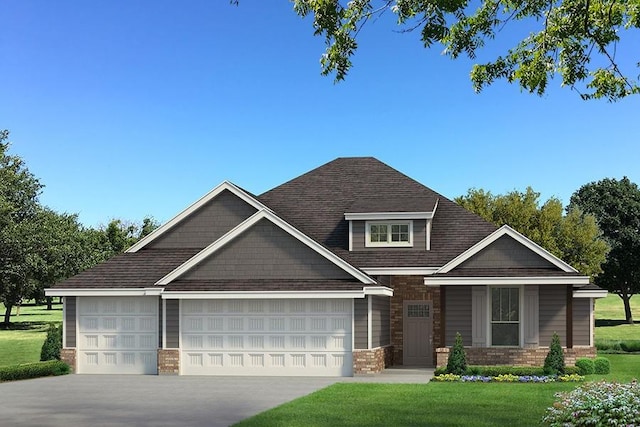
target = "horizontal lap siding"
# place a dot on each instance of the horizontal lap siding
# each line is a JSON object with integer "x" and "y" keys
{"x": 360, "y": 323}
{"x": 173, "y": 323}
{"x": 380, "y": 323}
{"x": 458, "y": 314}
{"x": 553, "y": 313}
{"x": 419, "y": 236}
{"x": 506, "y": 253}
{"x": 207, "y": 224}
{"x": 581, "y": 321}
{"x": 70, "y": 321}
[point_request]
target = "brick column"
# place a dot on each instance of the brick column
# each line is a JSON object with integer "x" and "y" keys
{"x": 68, "y": 356}
{"x": 168, "y": 361}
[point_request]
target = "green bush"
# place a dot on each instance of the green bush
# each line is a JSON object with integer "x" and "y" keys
{"x": 630, "y": 346}
{"x": 494, "y": 371}
{"x": 457, "y": 362}
{"x": 572, "y": 370}
{"x": 597, "y": 404}
{"x": 601, "y": 365}
{"x": 585, "y": 365}
{"x": 34, "y": 370}
{"x": 52, "y": 344}
{"x": 617, "y": 346}
{"x": 554, "y": 362}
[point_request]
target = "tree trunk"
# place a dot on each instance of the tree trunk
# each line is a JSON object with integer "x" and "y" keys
{"x": 49, "y": 303}
{"x": 627, "y": 308}
{"x": 7, "y": 314}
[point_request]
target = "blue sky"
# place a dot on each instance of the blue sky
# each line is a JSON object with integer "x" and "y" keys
{"x": 126, "y": 109}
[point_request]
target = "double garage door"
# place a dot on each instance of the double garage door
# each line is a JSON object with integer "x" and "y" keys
{"x": 295, "y": 337}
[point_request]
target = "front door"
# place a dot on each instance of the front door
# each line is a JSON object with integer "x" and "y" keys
{"x": 416, "y": 331}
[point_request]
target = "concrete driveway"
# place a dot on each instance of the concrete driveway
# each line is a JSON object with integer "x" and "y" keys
{"x": 146, "y": 400}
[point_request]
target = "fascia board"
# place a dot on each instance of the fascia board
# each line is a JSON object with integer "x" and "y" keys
{"x": 225, "y": 185}
{"x": 248, "y": 223}
{"x": 590, "y": 293}
{"x": 378, "y": 290}
{"x": 400, "y": 271}
{"x": 498, "y": 281}
{"x": 502, "y": 231}
{"x": 262, "y": 295}
{"x": 377, "y": 216}
{"x": 103, "y": 292}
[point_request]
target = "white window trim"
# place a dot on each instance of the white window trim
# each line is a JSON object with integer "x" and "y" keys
{"x": 520, "y": 317}
{"x": 367, "y": 231}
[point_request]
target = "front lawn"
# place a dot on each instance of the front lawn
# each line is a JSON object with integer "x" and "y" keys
{"x": 610, "y": 323}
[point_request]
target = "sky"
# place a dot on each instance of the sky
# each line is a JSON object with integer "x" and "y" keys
{"x": 126, "y": 109}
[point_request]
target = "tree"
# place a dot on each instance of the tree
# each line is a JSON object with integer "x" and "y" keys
{"x": 457, "y": 361}
{"x": 575, "y": 39}
{"x": 574, "y": 237}
{"x": 554, "y": 362}
{"x": 616, "y": 206}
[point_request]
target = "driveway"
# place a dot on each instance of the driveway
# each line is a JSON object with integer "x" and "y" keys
{"x": 147, "y": 400}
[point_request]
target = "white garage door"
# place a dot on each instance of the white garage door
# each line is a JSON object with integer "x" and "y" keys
{"x": 117, "y": 335}
{"x": 297, "y": 337}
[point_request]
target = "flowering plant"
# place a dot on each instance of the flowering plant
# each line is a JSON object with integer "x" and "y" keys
{"x": 508, "y": 378}
{"x": 447, "y": 377}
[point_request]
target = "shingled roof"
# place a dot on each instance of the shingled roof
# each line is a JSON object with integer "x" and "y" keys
{"x": 316, "y": 202}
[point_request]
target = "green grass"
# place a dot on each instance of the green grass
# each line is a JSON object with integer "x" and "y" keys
{"x": 610, "y": 323}
{"x": 22, "y": 342}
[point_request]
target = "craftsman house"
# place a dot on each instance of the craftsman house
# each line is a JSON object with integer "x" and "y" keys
{"x": 347, "y": 269}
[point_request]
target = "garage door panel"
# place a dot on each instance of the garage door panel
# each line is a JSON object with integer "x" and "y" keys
{"x": 117, "y": 335}
{"x": 266, "y": 337}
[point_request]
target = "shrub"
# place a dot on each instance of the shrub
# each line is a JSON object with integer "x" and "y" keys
{"x": 601, "y": 365}
{"x": 33, "y": 370}
{"x": 586, "y": 366}
{"x": 554, "y": 362}
{"x": 457, "y": 362}
{"x": 630, "y": 346}
{"x": 494, "y": 371}
{"x": 598, "y": 404}
{"x": 52, "y": 344}
{"x": 570, "y": 370}
{"x": 440, "y": 371}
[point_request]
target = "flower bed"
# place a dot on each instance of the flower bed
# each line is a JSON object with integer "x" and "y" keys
{"x": 508, "y": 378}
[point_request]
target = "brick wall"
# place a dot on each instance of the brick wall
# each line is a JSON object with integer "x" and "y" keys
{"x": 408, "y": 288}
{"x": 68, "y": 356}
{"x": 514, "y": 356}
{"x": 168, "y": 362}
{"x": 372, "y": 361}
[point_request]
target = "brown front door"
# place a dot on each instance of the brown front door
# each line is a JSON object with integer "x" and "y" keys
{"x": 416, "y": 332}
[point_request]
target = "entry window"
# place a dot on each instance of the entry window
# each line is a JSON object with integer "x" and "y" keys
{"x": 389, "y": 233}
{"x": 418, "y": 310}
{"x": 505, "y": 316}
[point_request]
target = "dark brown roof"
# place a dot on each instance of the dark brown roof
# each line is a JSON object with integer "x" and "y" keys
{"x": 316, "y": 202}
{"x": 140, "y": 269}
{"x": 507, "y": 272}
{"x": 263, "y": 285}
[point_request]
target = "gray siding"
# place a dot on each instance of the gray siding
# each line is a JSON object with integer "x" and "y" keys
{"x": 360, "y": 323}
{"x": 266, "y": 251}
{"x": 419, "y": 236}
{"x": 70, "y": 321}
{"x": 581, "y": 321}
{"x": 506, "y": 253}
{"x": 207, "y": 224}
{"x": 173, "y": 323}
{"x": 380, "y": 321}
{"x": 457, "y": 314}
{"x": 553, "y": 313}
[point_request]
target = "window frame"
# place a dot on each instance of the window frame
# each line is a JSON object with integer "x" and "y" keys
{"x": 491, "y": 322}
{"x": 367, "y": 238}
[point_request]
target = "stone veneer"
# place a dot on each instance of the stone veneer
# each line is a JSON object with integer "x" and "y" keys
{"x": 411, "y": 288}
{"x": 168, "y": 361}
{"x": 372, "y": 361}
{"x": 513, "y": 356}
{"x": 68, "y": 356}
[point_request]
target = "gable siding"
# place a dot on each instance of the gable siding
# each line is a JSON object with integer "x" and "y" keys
{"x": 380, "y": 323}
{"x": 173, "y": 323}
{"x": 582, "y": 321}
{"x": 419, "y": 236}
{"x": 207, "y": 224}
{"x": 70, "y": 321}
{"x": 506, "y": 253}
{"x": 360, "y": 323}
{"x": 266, "y": 251}
{"x": 553, "y": 313}
{"x": 458, "y": 314}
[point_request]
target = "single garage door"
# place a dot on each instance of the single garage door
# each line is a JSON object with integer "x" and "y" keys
{"x": 296, "y": 337}
{"x": 117, "y": 335}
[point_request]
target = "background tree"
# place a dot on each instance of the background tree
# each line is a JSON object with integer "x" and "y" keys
{"x": 616, "y": 206}
{"x": 575, "y": 39}
{"x": 574, "y": 237}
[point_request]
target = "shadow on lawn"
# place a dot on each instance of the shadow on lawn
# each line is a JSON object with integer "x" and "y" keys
{"x": 613, "y": 322}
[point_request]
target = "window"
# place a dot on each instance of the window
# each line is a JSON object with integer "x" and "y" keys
{"x": 505, "y": 316}
{"x": 389, "y": 234}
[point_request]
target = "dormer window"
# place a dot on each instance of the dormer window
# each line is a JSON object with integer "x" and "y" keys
{"x": 392, "y": 233}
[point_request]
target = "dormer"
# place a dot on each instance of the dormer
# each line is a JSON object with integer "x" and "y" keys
{"x": 398, "y": 223}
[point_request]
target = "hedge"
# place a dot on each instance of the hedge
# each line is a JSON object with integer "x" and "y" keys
{"x": 618, "y": 346}
{"x": 33, "y": 370}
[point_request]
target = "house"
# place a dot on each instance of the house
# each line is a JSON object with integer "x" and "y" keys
{"x": 347, "y": 269}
